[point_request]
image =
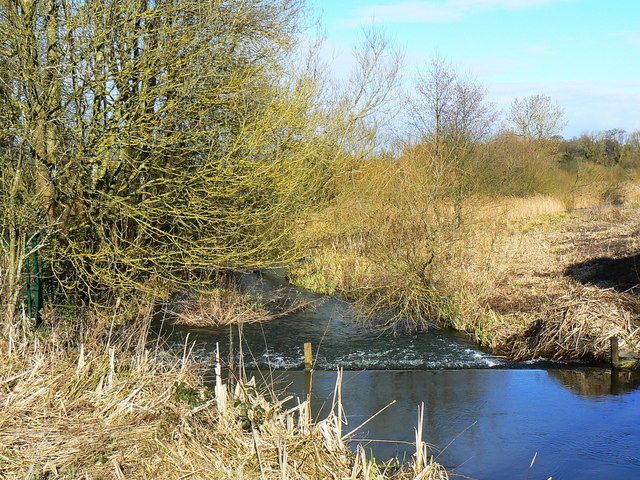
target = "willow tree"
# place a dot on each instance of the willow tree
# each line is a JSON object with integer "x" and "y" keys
{"x": 146, "y": 138}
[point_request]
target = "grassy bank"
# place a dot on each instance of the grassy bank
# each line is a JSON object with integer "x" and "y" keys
{"x": 524, "y": 276}
{"x": 105, "y": 405}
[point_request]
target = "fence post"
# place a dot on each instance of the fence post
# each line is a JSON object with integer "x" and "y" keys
{"x": 34, "y": 300}
{"x": 615, "y": 358}
{"x": 308, "y": 357}
{"x": 37, "y": 286}
{"x": 308, "y": 365}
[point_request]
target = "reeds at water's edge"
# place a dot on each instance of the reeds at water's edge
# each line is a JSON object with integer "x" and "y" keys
{"x": 80, "y": 402}
{"x": 520, "y": 278}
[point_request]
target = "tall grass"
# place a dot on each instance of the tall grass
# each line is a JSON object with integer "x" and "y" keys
{"x": 410, "y": 246}
{"x": 92, "y": 402}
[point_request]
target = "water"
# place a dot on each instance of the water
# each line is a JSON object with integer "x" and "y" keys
{"x": 485, "y": 416}
{"x": 337, "y": 340}
{"x": 489, "y": 423}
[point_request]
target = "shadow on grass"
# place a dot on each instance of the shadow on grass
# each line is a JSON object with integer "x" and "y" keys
{"x": 621, "y": 274}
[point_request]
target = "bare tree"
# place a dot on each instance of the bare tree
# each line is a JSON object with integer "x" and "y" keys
{"x": 536, "y": 118}
{"x": 450, "y": 117}
{"x": 450, "y": 111}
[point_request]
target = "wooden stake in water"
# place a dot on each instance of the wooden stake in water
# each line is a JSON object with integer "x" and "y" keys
{"x": 308, "y": 365}
{"x": 615, "y": 358}
{"x": 308, "y": 357}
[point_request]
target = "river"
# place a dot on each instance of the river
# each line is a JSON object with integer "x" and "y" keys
{"x": 485, "y": 416}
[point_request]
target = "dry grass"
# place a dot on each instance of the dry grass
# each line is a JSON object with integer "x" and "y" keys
{"x": 503, "y": 278}
{"x": 513, "y": 208}
{"x": 229, "y": 305}
{"x": 93, "y": 403}
{"x": 520, "y": 300}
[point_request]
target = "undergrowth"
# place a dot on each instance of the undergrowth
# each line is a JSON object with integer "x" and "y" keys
{"x": 495, "y": 269}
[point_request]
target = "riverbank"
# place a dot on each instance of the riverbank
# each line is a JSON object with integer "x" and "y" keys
{"x": 550, "y": 290}
{"x": 524, "y": 277}
{"x": 84, "y": 400}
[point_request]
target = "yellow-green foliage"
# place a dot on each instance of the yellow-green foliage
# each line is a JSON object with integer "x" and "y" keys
{"x": 152, "y": 138}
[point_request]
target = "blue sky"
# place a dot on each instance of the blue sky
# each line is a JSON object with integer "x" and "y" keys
{"x": 584, "y": 54}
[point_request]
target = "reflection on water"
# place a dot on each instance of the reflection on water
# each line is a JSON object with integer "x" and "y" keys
{"x": 488, "y": 424}
{"x": 597, "y": 381}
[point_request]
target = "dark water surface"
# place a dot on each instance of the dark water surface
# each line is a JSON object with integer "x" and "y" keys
{"x": 338, "y": 341}
{"x": 485, "y": 416}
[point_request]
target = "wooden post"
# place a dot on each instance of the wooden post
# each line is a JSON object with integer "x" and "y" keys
{"x": 308, "y": 365}
{"x": 308, "y": 357}
{"x": 615, "y": 359}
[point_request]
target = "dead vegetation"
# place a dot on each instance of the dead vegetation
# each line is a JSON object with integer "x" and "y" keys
{"x": 227, "y": 304}
{"x": 524, "y": 277}
{"x": 531, "y": 307}
{"x": 90, "y": 403}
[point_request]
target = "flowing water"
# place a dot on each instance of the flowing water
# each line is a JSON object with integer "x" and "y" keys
{"x": 485, "y": 417}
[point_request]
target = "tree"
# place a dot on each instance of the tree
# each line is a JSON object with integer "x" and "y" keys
{"x": 536, "y": 118}
{"x": 354, "y": 112}
{"x": 141, "y": 139}
{"x": 450, "y": 111}
{"x": 450, "y": 117}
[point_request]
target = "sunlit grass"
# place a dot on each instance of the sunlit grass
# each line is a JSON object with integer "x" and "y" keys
{"x": 88, "y": 402}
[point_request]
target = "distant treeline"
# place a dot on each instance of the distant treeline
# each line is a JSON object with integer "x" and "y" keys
{"x": 610, "y": 148}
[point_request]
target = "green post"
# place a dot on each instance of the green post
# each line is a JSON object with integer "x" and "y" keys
{"x": 29, "y": 304}
{"x": 34, "y": 304}
{"x": 37, "y": 290}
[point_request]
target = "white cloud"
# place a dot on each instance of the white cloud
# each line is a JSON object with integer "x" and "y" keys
{"x": 631, "y": 38}
{"x": 421, "y": 11}
{"x": 588, "y": 105}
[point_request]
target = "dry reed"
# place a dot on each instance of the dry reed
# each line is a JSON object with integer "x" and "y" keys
{"x": 229, "y": 305}
{"x": 87, "y": 404}
{"x": 504, "y": 278}
{"x": 526, "y": 305}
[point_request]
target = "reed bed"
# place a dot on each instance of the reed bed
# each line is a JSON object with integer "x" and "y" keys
{"x": 578, "y": 324}
{"x": 94, "y": 402}
{"x": 521, "y": 299}
{"x": 229, "y": 305}
{"x": 510, "y": 277}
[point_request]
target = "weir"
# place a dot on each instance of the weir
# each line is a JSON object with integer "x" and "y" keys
{"x": 485, "y": 416}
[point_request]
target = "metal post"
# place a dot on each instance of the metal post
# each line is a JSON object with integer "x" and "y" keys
{"x": 29, "y": 304}
{"x": 37, "y": 290}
